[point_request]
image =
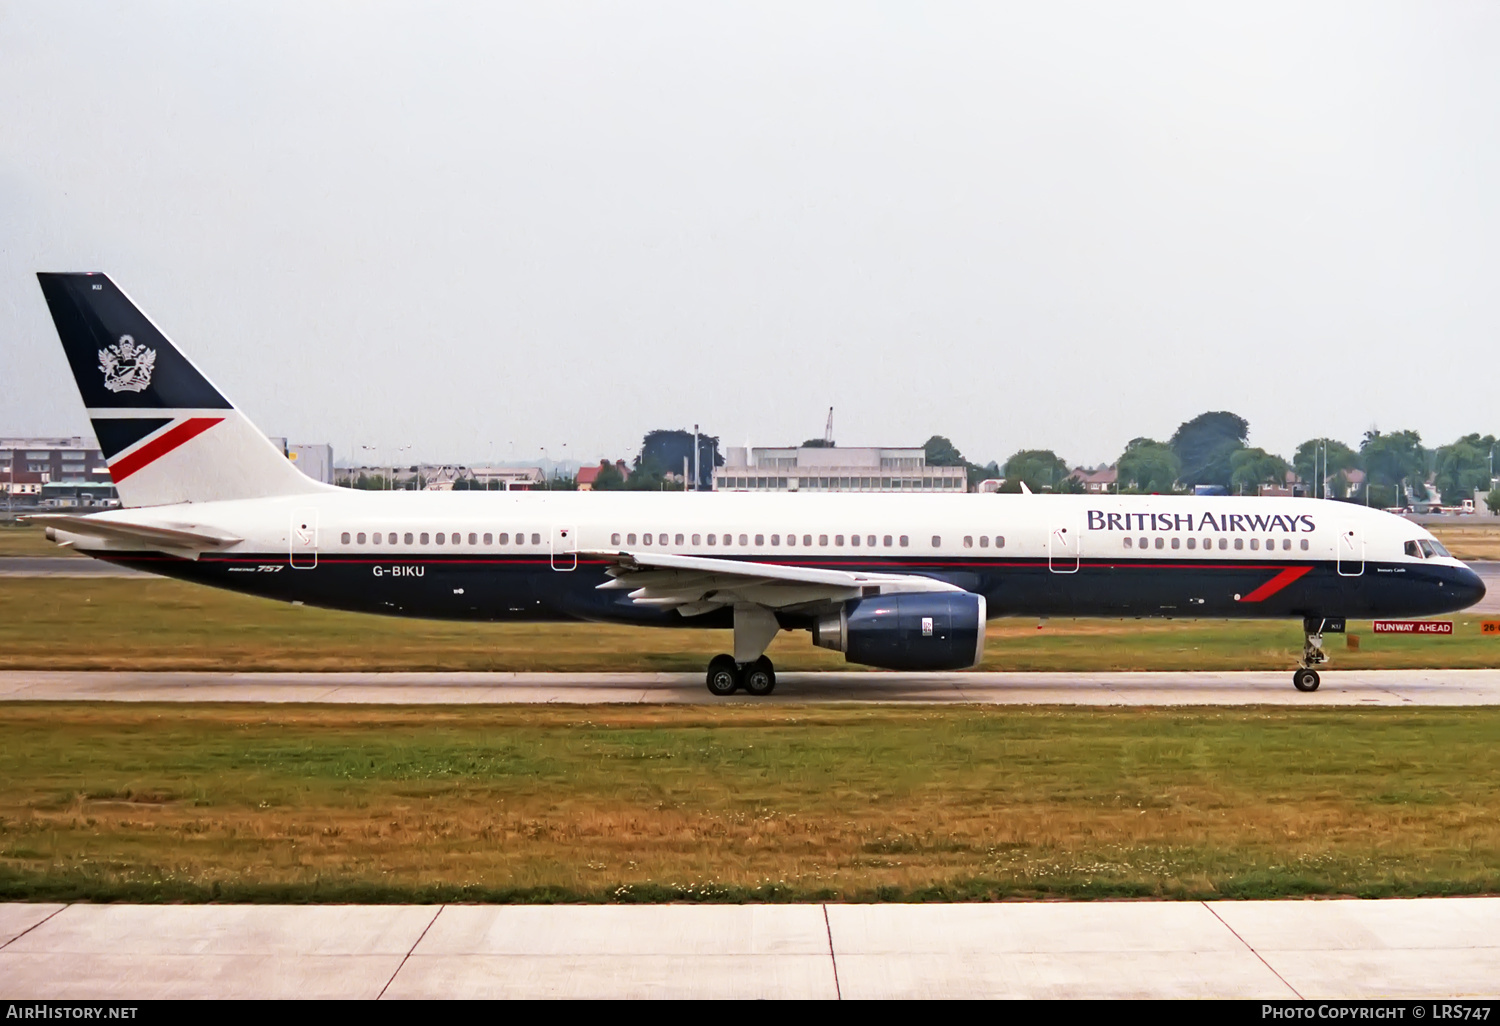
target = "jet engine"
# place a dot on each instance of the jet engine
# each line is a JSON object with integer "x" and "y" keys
{"x": 914, "y": 631}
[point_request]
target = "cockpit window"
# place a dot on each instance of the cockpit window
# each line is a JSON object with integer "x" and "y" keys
{"x": 1427, "y": 552}
{"x": 1437, "y": 547}
{"x": 1413, "y": 551}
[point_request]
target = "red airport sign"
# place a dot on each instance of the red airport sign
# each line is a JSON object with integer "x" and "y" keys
{"x": 1413, "y": 626}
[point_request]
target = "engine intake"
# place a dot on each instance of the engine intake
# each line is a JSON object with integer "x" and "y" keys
{"x": 932, "y": 631}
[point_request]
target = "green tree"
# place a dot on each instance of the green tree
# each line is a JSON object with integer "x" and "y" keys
{"x": 666, "y": 449}
{"x": 816, "y": 443}
{"x": 1463, "y": 467}
{"x": 1396, "y": 459}
{"x": 1250, "y": 468}
{"x": 943, "y": 453}
{"x": 1492, "y": 500}
{"x": 1148, "y": 466}
{"x": 1309, "y": 463}
{"x": 1039, "y": 468}
{"x": 1205, "y": 444}
{"x": 609, "y": 478}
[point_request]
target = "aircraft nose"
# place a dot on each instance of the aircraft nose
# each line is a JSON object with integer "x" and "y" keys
{"x": 1470, "y": 587}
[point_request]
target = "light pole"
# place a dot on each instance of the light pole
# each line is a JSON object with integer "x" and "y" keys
{"x": 399, "y": 449}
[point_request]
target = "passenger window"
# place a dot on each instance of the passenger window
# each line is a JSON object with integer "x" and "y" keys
{"x": 614, "y": 539}
{"x": 408, "y": 537}
{"x": 1127, "y": 543}
{"x": 376, "y": 538}
{"x": 1254, "y": 544}
{"x": 344, "y": 538}
{"x": 1159, "y": 543}
{"x": 870, "y": 540}
{"x": 1286, "y": 543}
{"x": 473, "y": 538}
{"x": 661, "y": 539}
{"x": 760, "y": 539}
{"x": 1270, "y": 544}
{"x": 984, "y": 541}
{"x": 1176, "y": 543}
{"x": 1192, "y": 543}
{"x": 697, "y": 539}
{"x": 823, "y": 539}
{"x": 744, "y": 540}
{"x": 505, "y": 538}
{"x": 807, "y": 539}
{"x": 1223, "y": 544}
{"x": 424, "y": 538}
{"x": 838, "y": 540}
{"x": 1145, "y": 543}
{"x": 854, "y": 540}
{"x": 489, "y": 538}
{"x": 888, "y": 540}
{"x": 536, "y": 539}
{"x": 791, "y": 539}
{"x": 1239, "y": 543}
{"x": 645, "y": 539}
{"x": 1208, "y": 543}
{"x": 679, "y": 539}
{"x": 630, "y": 539}
{"x": 1000, "y": 541}
{"x": 968, "y": 541}
{"x": 712, "y": 538}
{"x": 392, "y": 538}
{"x": 440, "y": 537}
{"x": 1304, "y": 544}
{"x": 937, "y": 541}
{"x": 905, "y": 541}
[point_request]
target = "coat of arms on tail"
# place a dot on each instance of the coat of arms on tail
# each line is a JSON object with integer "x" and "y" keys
{"x": 127, "y": 367}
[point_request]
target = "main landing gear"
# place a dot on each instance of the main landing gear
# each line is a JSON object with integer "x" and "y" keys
{"x": 1306, "y": 678}
{"x": 725, "y": 676}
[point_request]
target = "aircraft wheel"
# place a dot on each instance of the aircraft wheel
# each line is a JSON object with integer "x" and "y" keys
{"x": 1305, "y": 680}
{"x": 760, "y": 678}
{"x": 723, "y": 676}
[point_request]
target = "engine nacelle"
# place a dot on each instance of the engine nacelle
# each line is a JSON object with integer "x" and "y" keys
{"x": 915, "y": 631}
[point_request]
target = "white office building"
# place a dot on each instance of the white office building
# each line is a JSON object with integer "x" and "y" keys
{"x": 796, "y": 469}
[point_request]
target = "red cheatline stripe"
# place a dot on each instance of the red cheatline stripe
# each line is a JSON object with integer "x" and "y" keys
{"x": 160, "y": 446}
{"x": 1276, "y": 583}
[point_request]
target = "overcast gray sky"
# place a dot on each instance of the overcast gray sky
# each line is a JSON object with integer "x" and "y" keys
{"x": 480, "y": 230}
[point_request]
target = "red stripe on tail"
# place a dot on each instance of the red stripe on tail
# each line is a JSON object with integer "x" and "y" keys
{"x": 1275, "y": 584}
{"x": 160, "y": 446}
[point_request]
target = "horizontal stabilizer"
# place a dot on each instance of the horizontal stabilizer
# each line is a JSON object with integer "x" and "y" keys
{"x": 176, "y": 538}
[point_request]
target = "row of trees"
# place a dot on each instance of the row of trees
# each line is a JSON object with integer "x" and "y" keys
{"x": 1213, "y": 449}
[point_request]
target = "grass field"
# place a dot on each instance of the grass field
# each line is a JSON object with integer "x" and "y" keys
{"x": 671, "y": 803}
{"x": 158, "y": 624}
{"x": 27, "y": 540}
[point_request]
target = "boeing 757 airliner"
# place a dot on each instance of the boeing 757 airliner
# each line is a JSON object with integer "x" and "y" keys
{"x": 904, "y": 582}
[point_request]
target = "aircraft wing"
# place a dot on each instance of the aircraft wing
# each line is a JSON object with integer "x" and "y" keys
{"x": 190, "y": 540}
{"x": 697, "y": 584}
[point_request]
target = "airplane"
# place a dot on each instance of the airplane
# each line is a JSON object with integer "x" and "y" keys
{"x": 901, "y": 582}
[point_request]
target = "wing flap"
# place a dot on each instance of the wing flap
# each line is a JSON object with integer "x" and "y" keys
{"x": 699, "y": 584}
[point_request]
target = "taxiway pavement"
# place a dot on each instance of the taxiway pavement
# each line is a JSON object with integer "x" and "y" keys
{"x": 1413, "y": 948}
{"x": 1340, "y": 688}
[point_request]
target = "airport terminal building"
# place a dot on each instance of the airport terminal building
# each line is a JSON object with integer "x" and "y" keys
{"x": 832, "y": 469}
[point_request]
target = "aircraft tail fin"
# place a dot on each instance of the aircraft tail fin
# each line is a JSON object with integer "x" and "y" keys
{"x": 167, "y": 433}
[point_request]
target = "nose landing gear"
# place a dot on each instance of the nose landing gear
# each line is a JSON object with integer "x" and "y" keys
{"x": 1306, "y": 678}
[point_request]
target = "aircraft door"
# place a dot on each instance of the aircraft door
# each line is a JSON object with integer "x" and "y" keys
{"x": 1063, "y": 551}
{"x": 1351, "y": 551}
{"x": 564, "y": 548}
{"x": 304, "y": 539}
